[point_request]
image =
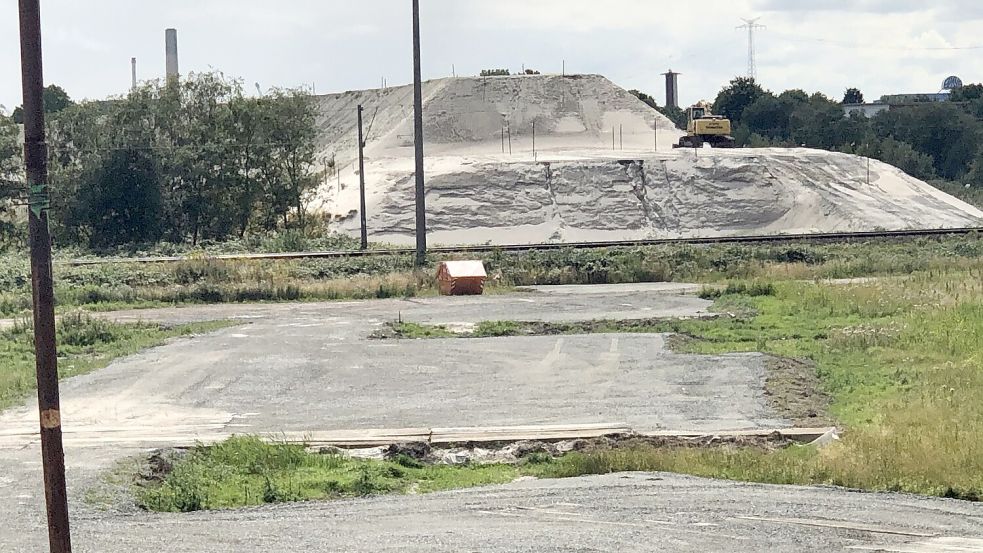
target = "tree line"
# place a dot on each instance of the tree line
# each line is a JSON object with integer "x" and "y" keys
{"x": 181, "y": 161}
{"x": 11, "y": 181}
{"x": 928, "y": 140}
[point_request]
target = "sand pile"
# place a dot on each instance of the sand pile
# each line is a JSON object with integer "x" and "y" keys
{"x": 599, "y": 171}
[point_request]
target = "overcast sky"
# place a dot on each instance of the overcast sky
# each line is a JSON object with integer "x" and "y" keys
{"x": 881, "y": 46}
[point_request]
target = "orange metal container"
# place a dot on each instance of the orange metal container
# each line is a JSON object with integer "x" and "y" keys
{"x": 461, "y": 278}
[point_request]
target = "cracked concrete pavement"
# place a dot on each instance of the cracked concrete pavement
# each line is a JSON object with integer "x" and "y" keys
{"x": 309, "y": 367}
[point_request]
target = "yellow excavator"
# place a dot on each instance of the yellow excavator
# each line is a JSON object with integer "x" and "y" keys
{"x": 706, "y": 128}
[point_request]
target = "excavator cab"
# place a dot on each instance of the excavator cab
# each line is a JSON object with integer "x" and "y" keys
{"x": 704, "y": 127}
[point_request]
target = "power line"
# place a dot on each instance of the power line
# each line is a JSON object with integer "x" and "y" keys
{"x": 866, "y": 45}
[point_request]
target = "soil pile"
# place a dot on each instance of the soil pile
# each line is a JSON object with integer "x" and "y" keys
{"x": 531, "y": 159}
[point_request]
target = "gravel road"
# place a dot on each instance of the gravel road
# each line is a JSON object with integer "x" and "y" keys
{"x": 310, "y": 367}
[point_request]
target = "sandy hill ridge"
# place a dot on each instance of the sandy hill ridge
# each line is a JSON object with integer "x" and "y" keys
{"x": 595, "y": 173}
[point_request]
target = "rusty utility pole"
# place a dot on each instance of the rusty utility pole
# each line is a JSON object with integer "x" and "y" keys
{"x": 36, "y": 160}
{"x": 361, "y": 181}
{"x": 421, "y": 192}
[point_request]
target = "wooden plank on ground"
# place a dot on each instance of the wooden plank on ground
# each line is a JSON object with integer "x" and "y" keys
{"x": 794, "y": 434}
{"x": 544, "y": 433}
{"x": 357, "y": 438}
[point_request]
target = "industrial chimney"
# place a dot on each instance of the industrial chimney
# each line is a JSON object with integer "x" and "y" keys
{"x": 170, "y": 45}
{"x": 672, "y": 89}
{"x": 133, "y": 67}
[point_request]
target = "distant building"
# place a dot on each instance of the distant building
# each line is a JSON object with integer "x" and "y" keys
{"x": 908, "y": 99}
{"x": 894, "y": 101}
{"x": 867, "y": 110}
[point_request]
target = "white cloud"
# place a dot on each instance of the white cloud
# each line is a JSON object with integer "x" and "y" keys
{"x": 825, "y": 45}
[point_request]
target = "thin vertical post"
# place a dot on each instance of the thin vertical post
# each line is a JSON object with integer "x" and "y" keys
{"x": 868, "y": 165}
{"x": 614, "y": 145}
{"x": 508, "y": 129}
{"x": 46, "y": 354}
{"x": 361, "y": 182}
{"x": 421, "y": 205}
{"x": 621, "y": 134}
{"x": 656, "y": 134}
{"x": 534, "y": 140}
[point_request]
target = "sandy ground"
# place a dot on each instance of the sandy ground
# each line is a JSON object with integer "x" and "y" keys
{"x": 602, "y": 168}
{"x": 309, "y": 367}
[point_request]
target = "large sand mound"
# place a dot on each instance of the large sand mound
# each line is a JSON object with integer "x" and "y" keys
{"x": 598, "y": 172}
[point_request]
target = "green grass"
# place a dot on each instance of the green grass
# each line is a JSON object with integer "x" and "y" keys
{"x": 201, "y": 279}
{"x": 487, "y": 329}
{"x": 903, "y": 362}
{"x": 85, "y": 344}
{"x": 245, "y": 471}
{"x": 415, "y": 331}
{"x": 972, "y": 194}
{"x": 901, "y": 358}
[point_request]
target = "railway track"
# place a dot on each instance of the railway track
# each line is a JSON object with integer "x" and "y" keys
{"x": 774, "y": 238}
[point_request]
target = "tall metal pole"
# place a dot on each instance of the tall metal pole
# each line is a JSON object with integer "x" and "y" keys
{"x": 361, "y": 181}
{"x": 752, "y": 65}
{"x": 46, "y": 355}
{"x": 421, "y": 200}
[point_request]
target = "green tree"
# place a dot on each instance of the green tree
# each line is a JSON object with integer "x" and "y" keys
{"x": 676, "y": 115}
{"x": 673, "y": 113}
{"x": 941, "y": 130}
{"x": 817, "y": 123}
{"x": 736, "y": 97}
{"x": 794, "y": 96}
{"x": 221, "y": 163}
{"x": 11, "y": 183}
{"x": 55, "y": 99}
{"x": 78, "y": 138}
{"x": 967, "y": 93}
{"x": 770, "y": 118}
{"x": 649, "y": 100}
{"x": 975, "y": 175}
{"x": 290, "y": 174}
{"x": 121, "y": 201}
{"x": 906, "y": 158}
{"x": 251, "y": 117}
{"x": 853, "y": 96}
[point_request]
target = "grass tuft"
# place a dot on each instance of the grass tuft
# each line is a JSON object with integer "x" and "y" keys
{"x": 85, "y": 344}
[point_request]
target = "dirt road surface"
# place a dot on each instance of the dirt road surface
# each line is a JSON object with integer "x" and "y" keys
{"x": 311, "y": 367}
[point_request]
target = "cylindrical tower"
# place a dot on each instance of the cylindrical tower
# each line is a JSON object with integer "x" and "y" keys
{"x": 170, "y": 46}
{"x": 672, "y": 89}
